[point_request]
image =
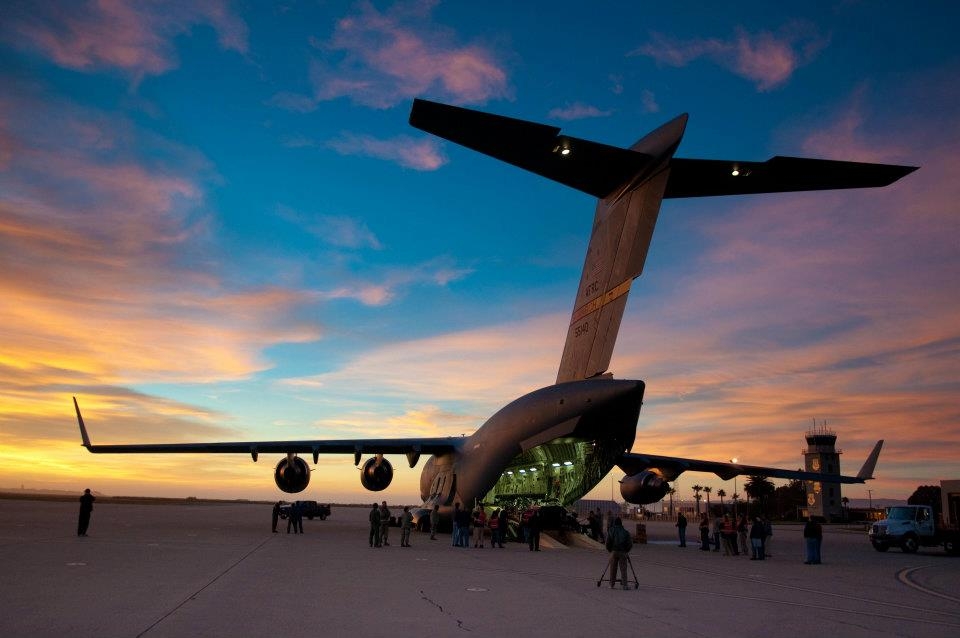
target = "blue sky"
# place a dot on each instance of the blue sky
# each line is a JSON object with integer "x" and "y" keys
{"x": 216, "y": 223}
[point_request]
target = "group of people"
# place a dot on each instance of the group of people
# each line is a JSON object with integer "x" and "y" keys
{"x": 733, "y": 536}
{"x": 294, "y": 518}
{"x": 467, "y": 525}
{"x": 380, "y": 521}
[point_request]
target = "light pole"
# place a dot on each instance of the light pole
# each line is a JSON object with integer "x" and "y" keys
{"x": 734, "y": 460}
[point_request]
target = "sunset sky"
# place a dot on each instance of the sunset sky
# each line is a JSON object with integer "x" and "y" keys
{"x": 216, "y": 224}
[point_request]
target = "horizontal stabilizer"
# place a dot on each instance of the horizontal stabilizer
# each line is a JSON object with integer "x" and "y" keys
{"x": 703, "y": 178}
{"x": 590, "y": 167}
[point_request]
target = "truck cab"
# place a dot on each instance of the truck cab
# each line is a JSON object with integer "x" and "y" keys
{"x": 911, "y": 527}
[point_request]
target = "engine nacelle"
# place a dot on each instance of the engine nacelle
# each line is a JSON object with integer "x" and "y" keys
{"x": 292, "y": 474}
{"x": 376, "y": 474}
{"x": 644, "y": 488}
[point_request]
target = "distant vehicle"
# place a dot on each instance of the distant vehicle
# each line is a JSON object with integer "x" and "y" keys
{"x": 911, "y": 527}
{"x": 310, "y": 509}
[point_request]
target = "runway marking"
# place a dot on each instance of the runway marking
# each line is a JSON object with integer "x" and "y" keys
{"x": 910, "y": 608}
{"x": 76, "y": 564}
{"x": 199, "y": 591}
{"x": 819, "y": 592}
{"x": 904, "y": 577}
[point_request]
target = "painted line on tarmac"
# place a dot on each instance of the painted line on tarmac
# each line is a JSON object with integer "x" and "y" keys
{"x": 819, "y": 608}
{"x": 196, "y": 593}
{"x": 904, "y": 576}
{"x": 810, "y": 590}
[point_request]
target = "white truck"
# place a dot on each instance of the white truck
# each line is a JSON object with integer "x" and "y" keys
{"x": 913, "y": 526}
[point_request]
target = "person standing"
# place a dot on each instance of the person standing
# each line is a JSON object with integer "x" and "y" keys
{"x": 503, "y": 525}
{"x": 742, "y": 529}
{"x": 494, "y": 525}
{"x": 767, "y": 538}
{"x": 434, "y": 522}
{"x": 479, "y": 526}
{"x": 619, "y": 545}
{"x": 813, "y": 537}
{"x": 715, "y": 532}
{"x": 406, "y": 522}
{"x": 704, "y": 532}
{"x": 728, "y": 536}
{"x": 757, "y": 533}
{"x": 456, "y": 524}
{"x": 384, "y": 524}
{"x": 375, "y": 526}
{"x": 682, "y": 529}
{"x": 275, "y": 516}
{"x": 533, "y": 526}
{"x": 86, "y": 507}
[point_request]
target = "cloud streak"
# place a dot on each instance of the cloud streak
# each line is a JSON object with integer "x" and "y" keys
{"x": 765, "y": 58}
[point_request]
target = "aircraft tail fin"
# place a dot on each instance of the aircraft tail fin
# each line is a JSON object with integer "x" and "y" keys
{"x": 622, "y": 230}
{"x": 866, "y": 472}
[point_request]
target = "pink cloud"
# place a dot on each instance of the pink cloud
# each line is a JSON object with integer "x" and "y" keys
{"x": 393, "y": 56}
{"x": 418, "y": 154}
{"x": 134, "y": 37}
{"x": 765, "y": 58}
{"x": 576, "y": 111}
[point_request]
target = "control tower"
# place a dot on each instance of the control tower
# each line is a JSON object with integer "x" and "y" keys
{"x": 821, "y": 455}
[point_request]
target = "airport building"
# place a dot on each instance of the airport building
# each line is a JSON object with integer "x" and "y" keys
{"x": 822, "y": 455}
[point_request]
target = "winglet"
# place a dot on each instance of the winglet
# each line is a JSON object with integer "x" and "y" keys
{"x": 866, "y": 472}
{"x": 83, "y": 429}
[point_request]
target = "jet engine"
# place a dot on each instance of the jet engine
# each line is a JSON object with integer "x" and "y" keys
{"x": 376, "y": 474}
{"x": 644, "y": 488}
{"x": 292, "y": 474}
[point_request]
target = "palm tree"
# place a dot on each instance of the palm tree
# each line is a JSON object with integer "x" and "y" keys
{"x": 735, "y": 498}
{"x": 721, "y": 493}
{"x": 845, "y": 504}
{"x": 671, "y": 492}
{"x": 697, "y": 497}
{"x": 759, "y": 488}
{"x": 707, "y": 491}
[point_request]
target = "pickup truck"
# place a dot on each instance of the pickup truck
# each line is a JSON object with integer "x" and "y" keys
{"x": 309, "y": 509}
{"x": 911, "y": 527}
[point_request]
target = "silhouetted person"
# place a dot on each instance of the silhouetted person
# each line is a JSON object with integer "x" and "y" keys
{"x": 533, "y": 525}
{"x": 619, "y": 545}
{"x": 375, "y": 526}
{"x": 275, "y": 516}
{"x": 406, "y": 522}
{"x": 704, "y": 533}
{"x": 503, "y": 525}
{"x": 682, "y": 529}
{"x": 86, "y": 507}
{"x": 434, "y": 522}
{"x": 813, "y": 537}
{"x": 292, "y": 519}
{"x": 384, "y": 524}
{"x": 757, "y": 534}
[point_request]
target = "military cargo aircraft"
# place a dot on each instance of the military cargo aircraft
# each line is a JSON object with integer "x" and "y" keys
{"x": 553, "y": 445}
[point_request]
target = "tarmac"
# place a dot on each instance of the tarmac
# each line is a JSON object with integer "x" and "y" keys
{"x": 217, "y": 570}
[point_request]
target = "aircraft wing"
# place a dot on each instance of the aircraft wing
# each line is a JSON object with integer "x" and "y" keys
{"x": 703, "y": 178}
{"x": 672, "y": 466}
{"x": 411, "y": 447}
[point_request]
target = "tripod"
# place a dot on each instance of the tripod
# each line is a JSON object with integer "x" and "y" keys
{"x": 636, "y": 581}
